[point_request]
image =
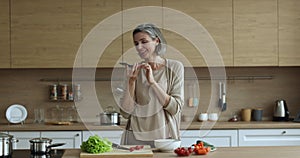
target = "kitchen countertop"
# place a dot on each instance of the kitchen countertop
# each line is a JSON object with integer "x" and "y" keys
{"x": 232, "y": 152}
{"x": 184, "y": 125}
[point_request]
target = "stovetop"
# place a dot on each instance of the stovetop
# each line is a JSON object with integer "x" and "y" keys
{"x": 57, "y": 153}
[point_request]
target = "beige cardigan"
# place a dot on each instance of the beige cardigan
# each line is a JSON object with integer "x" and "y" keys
{"x": 150, "y": 120}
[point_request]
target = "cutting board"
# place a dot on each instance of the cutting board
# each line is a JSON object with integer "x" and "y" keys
{"x": 116, "y": 153}
{"x": 58, "y": 123}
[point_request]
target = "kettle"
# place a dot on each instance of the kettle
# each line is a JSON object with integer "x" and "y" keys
{"x": 281, "y": 112}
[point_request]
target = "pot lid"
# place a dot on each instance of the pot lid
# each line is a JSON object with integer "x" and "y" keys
{"x": 109, "y": 110}
{"x": 40, "y": 140}
{"x": 5, "y": 136}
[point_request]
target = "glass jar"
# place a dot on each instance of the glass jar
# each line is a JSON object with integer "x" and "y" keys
{"x": 73, "y": 115}
{"x": 56, "y": 114}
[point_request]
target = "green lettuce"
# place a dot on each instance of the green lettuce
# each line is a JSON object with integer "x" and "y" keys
{"x": 96, "y": 144}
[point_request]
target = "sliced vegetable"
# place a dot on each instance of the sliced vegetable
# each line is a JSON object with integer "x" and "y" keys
{"x": 200, "y": 149}
{"x": 212, "y": 147}
{"x": 96, "y": 144}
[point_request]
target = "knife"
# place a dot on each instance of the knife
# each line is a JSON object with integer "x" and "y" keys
{"x": 126, "y": 64}
{"x": 114, "y": 145}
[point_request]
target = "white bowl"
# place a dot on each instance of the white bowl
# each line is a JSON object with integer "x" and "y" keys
{"x": 167, "y": 144}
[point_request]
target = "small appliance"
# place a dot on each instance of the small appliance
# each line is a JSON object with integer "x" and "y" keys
{"x": 281, "y": 112}
{"x": 297, "y": 118}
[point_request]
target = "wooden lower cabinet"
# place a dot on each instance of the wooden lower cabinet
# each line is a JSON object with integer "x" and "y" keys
{"x": 71, "y": 138}
{"x": 23, "y": 138}
{"x": 218, "y": 138}
{"x": 269, "y": 137}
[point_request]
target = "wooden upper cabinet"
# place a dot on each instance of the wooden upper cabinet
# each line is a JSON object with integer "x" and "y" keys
{"x": 289, "y": 32}
{"x": 4, "y": 34}
{"x": 136, "y": 12}
{"x": 102, "y": 33}
{"x": 45, "y": 33}
{"x": 209, "y": 27}
{"x": 255, "y": 33}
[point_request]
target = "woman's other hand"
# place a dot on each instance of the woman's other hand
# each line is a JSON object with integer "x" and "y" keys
{"x": 149, "y": 74}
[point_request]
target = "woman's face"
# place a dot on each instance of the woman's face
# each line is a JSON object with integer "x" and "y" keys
{"x": 145, "y": 45}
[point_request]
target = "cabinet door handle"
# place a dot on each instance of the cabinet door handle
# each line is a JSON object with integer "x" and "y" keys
{"x": 77, "y": 135}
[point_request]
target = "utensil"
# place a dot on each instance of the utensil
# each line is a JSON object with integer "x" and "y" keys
{"x": 126, "y": 64}
{"x": 281, "y": 112}
{"x": 16, "y": 113}
{"x": 114, "y": 145}
{"x": 42, "y": 145}
{"x": 222, "y": 96}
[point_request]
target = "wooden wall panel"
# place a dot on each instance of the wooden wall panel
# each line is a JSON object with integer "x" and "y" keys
{"x": 5, "y": 34}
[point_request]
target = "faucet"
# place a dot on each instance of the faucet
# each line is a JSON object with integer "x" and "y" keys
{"x": 222, "y": 96}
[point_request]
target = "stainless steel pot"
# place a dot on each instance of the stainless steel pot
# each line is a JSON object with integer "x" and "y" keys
{"x": 42, "y": 145}
{"x": 5, "y": 145}
{"x": 109, "y": 117}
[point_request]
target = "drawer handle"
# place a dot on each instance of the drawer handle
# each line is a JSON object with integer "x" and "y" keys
{"x": 77, "y": 135}
{"x": 283, "y": 132}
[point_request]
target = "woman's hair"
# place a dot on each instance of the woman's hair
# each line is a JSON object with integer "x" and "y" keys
{"x": 153, "y": 32}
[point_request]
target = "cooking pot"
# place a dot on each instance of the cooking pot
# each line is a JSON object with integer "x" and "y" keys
{"x": 42, "y": 145}
{"x": 109, "y": 117}
{"x": 5, "y": 145}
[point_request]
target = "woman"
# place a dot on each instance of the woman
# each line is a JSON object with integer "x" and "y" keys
{"x": 154, "y": 94}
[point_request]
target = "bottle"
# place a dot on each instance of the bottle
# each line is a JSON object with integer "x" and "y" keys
{"x": 64, "y": 91}
{"x": 53, "y": 92}
{"x": 77, "y": 96}
{"x": 70, "y": 95}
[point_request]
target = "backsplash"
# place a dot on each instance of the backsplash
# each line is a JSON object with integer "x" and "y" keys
{"x": 30, "y": 87}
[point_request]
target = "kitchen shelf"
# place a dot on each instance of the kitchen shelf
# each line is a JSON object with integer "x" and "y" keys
{"x": 70, "y": 79}
{"x": 186, "y": 78}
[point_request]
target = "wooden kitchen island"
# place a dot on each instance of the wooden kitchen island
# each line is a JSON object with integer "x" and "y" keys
{"x": 232, "y": 152}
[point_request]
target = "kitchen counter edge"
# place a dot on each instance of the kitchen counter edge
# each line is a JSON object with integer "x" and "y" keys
{"x": 184, "y": 126}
